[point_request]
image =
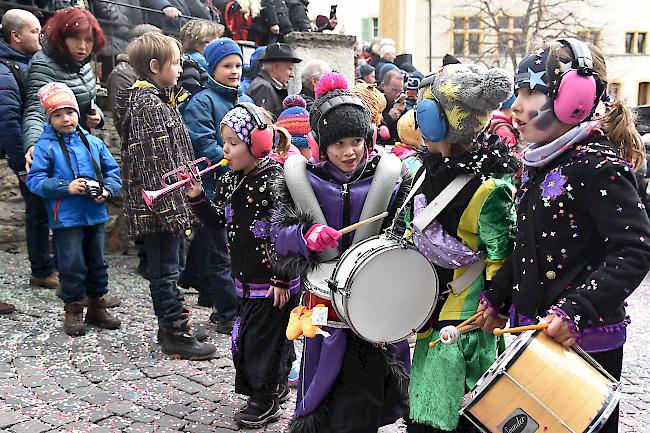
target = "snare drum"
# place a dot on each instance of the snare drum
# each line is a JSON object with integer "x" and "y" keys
{"x": 383, "y": 289}
{"x": 537, "y": 385}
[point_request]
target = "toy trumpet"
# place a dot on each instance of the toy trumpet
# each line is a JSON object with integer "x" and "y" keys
{"x": 185, "y": 173}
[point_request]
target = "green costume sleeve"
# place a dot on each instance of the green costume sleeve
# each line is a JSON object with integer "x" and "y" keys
{"x": 496, "y": 223}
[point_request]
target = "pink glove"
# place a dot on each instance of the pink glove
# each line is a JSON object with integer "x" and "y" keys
{"x": 320, "y": 237}
{"x": 506, "y": 135}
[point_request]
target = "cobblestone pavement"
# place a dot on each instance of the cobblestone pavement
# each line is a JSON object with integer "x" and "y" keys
{"x": 117, "y": 381}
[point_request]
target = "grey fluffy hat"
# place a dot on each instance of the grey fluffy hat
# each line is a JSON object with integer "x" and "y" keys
{"x": 467, "y": 93}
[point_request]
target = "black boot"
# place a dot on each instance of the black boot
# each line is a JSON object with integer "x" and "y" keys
{"x": 201, "y": 334}
{"x": 178, "y": 341}
{"x": 258, "y": 413}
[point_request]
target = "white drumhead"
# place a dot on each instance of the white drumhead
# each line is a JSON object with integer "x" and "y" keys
{"x": 316, "y": 279}
{"x": 393, "y": 292}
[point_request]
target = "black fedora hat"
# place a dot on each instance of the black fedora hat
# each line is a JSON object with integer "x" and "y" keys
{"x": 281, "y": 52}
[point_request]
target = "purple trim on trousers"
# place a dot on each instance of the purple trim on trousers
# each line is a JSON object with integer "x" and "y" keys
{"x": 592, "y": 340}
{"x": 321, "y": 365}
{"x": 234, "y": 336}
{"x": 256, "y": 290}
{"x": 322, "y": 362}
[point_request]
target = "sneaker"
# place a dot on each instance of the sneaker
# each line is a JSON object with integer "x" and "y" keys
{"x": 49, "y": 282}
{"x": 284, "y": 393}
{"x": 257, "y": 414}
{"x": 6, "y": 308}
{"x": 294, "y": 374}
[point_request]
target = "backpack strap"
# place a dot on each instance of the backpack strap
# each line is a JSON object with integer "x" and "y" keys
{"x": 20, "y": 78}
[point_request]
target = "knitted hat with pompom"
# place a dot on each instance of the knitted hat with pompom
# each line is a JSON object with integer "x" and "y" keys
{"x": 295, "y": 119}
{"x": 337, "y": 113}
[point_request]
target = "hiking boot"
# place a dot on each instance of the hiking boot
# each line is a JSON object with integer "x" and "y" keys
{"x": 178, "y": 341}
{"x": 200, "y": 333}
{"x": 98, "y": 316}
{"x": 112, "y": 301}
{"x": 49, "y": 282}
{"x": 257, "y": 413}
{"x": 6, "y": 308}
{"x": 284, "y": 393}
{"x": 73, "y": 322}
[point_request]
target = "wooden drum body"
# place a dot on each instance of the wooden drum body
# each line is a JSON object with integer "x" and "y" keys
{"x": 537, "y": 385}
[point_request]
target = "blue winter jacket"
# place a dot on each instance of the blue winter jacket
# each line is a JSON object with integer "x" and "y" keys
{"x": 50, "y": 175}
{"x": 203, "y": 114}
{"x": 11, "y": 101}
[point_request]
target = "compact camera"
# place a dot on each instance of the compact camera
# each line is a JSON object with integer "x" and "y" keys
{"x": 93, "y": 189}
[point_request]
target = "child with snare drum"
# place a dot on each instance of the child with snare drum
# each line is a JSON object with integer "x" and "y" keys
{"x": 469, "y": 239}
{"x": 583, "y": 237}
{"x": 346, "y": 384}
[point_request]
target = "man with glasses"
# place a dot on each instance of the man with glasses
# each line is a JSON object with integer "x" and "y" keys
{"x": 392, "y": 86}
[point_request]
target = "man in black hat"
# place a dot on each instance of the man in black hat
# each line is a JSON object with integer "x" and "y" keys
{"x": 269, "y": 87}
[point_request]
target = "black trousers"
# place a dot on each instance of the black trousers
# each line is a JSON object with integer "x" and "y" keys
{"x": 263, "y": 355}
{"x": 612, "y": 362}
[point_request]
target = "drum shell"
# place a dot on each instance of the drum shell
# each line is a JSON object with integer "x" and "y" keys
{"x": 394, "y": 261}
{"x": 582, "y": 395}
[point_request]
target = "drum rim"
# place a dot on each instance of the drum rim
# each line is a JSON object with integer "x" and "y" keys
{"x": 311, "y": 287}
{"x": 518, "y": 347}
{"x": 393, "y": 243}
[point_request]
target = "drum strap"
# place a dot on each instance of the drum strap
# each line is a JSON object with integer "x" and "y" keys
{"x": 440, "y": 202}
{"x": 386, "y": 176}
{"x": 381, "y": 190}
{"x": 460, "y": 284}
{"x": 302, "y": 193}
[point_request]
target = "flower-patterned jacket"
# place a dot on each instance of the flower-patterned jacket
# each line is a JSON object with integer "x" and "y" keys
{"x": 244, "y": 204}
{"x": 582, "y": 245}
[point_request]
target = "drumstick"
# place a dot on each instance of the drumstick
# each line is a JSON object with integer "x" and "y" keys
{"x": 461, "y": 330}
{"x": 460, "y": 325}
{"x": 470, "y": 320}
{"x": 362, "y": 223}
{"x": 499, "y": 331}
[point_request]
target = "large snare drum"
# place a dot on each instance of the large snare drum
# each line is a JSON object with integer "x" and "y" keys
{"x": 384, "y": 290}
{"x": 536, "y": 385}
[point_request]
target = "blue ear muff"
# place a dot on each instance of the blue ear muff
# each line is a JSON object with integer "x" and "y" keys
{"x": 431, "y": 120}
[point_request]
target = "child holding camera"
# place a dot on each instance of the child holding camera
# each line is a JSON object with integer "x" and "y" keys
{"x": 76, "y": 174}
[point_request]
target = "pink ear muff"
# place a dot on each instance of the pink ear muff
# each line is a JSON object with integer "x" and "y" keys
{"x": 575, "y": 98}
{"x": 262, "y": 141}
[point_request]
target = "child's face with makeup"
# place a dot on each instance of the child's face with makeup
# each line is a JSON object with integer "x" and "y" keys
{"x": 534, "y": 118}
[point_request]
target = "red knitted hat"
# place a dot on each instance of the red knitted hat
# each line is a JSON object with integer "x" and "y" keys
{"x": 55, "y": 96}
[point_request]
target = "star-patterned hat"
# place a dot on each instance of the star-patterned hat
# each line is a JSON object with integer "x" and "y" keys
{"x": 467, "y": 93}
{"x": 531, "y": 72}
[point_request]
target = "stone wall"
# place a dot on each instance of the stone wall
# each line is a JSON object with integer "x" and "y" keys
{"x": 337, "y": 50}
